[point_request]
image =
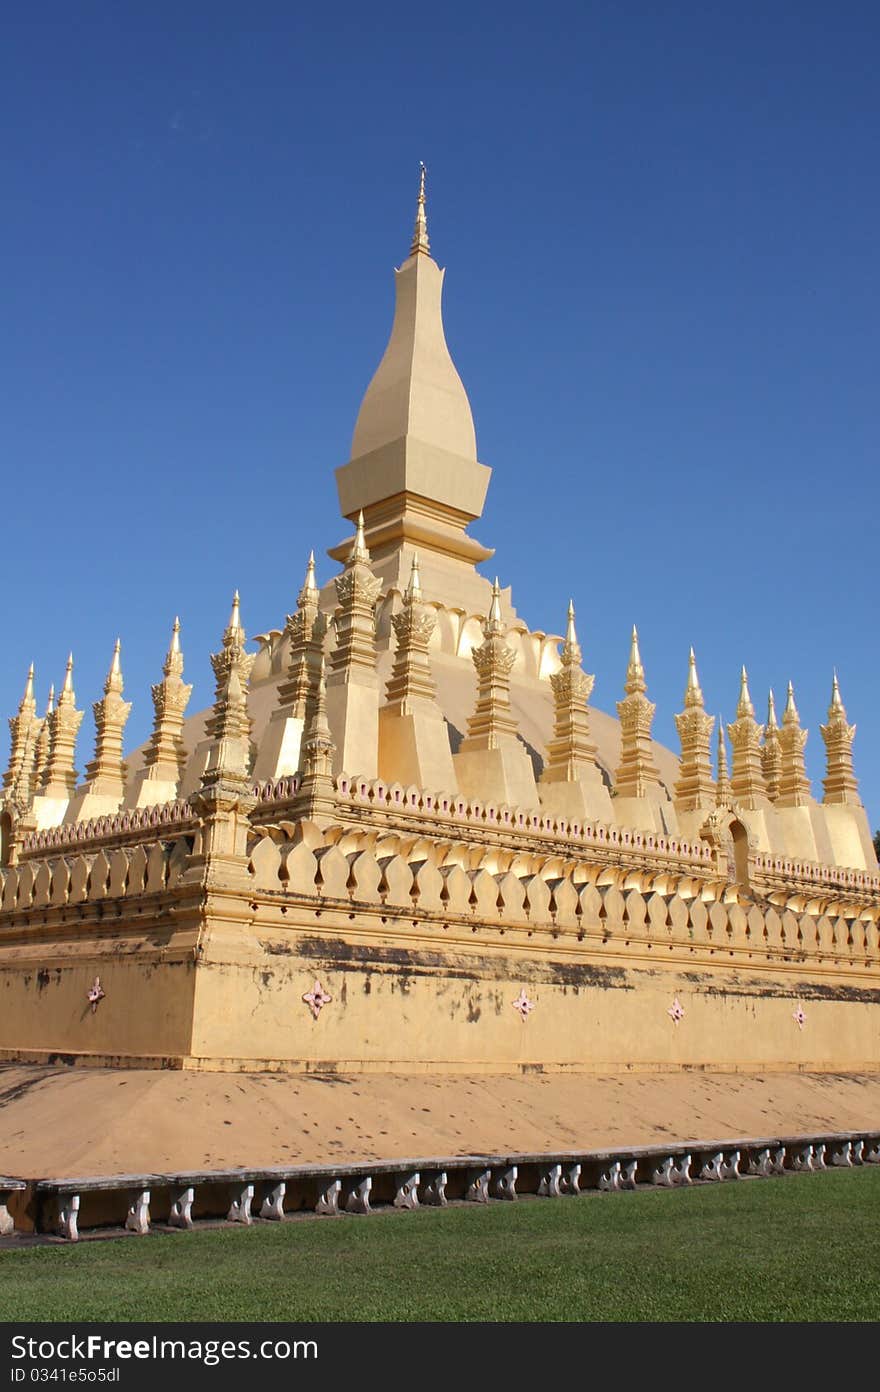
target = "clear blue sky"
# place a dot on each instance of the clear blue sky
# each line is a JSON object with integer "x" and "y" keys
{"x": 659, "y": 223}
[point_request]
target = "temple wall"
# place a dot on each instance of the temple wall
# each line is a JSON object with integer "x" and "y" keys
{"x": 423, "y": 949}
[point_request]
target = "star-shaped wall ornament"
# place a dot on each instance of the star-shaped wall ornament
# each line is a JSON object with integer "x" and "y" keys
{"x": 799, "y": 1017}
{"x": 523, "y": 1005}
{"x": 676, "y": 1011}
{"x": 96, "y": 993}
{"x": 316, "y": 999}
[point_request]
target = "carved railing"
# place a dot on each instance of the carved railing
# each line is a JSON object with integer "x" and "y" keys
{"x": 127, "y": 827}
{"x": 136, "y": 1203}
{"x": 77, "y": 877}
{"x": 562, "y": 902}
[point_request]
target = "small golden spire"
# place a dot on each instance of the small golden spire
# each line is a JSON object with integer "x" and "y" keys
{"x": 309, "y": 583}
{"x": 420, "y": 241}
{"x": 235, "y": 616}
{"x": 414, "y": 588}
{"x": 790, "y": 715}
{"x": 175, "y": 637}
{"x": 359, "y": 550}
{"x": 50, "y": 704}
{"x": 114, "y": 676}
{"x": 836, "y": 707}
{"x": 772, "y": 722}
{"x": 744, "y": 705}
{"x": 693, "y": 695}
{"x": 635, "y": 672}
{"x": 67, "y": 688}
{"x": 494, "y": 622}
{"x": 28, "y": 696}
{"x": 571, "y": 638}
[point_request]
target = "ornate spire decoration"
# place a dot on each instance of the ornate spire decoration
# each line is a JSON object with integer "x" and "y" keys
{"x": 165, "y": 756}
{"x": 229, "y": 726}
{"x": 106, "y": 773}
{"x": 352, "y": 683}
{"x": 794, "y": 785}
{"x": 571, "y": 750}
{"x": 493, "y": 659}
{"x": 59, "y": 779}
{"x": 357, "y": 590}
{"x": 41, "y": 754}
{"x": 747, "y": 783}
{"x": 771, "y": 753}
{"x": 722, "y": 783}
{"x": 411, "y": 683}
{"x": 315, "y": 797}
{"x": 840, "y": 782}
{"x": 637, "y": 773}
{"x": 280, "y": 748}
{"x": 305, "y": 629}
{"x": 420, "y": 243}
{"x": 695, "y": 786}
{"x": 24, "y": 729}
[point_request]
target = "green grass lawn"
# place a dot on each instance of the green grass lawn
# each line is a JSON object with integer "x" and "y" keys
{"x": 804, "y": 1247}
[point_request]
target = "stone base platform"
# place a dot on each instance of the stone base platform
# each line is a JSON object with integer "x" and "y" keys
{"x": 57, "y": 1122}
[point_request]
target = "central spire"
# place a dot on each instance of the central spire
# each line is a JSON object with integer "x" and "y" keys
{"x": 414, "y": 470}
{"x": 420, "y": 241}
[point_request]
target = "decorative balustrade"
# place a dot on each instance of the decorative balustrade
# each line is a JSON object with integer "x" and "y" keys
{"x": 543, "y": 898}
{"x": 138, "y": 1203}
{"x": 138, "y": 823}
{"x": 75, "y": 877}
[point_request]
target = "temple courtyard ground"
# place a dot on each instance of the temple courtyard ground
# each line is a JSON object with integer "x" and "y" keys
{"x": 798, "y": 1247}
{"x": 61, "y": 1121}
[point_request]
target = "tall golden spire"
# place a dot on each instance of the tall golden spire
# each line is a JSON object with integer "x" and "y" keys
{"x": 305, "y": 628}
{"x": 493, "y": 659}
{"x": 637, "y": 772}
{"x": 315, "y": 797}
{"x": 24, "y": 729}
{"x": 420, "y": 241}
{"x": 840, "y": 782}
{"x": 571, "y": 751}
{"x": 695, "y": 786}
{"x": 747, "y": 784}
{"x": 411, "y": 685}
{"x": 59, "y": 779}
{"x": 722, "y": 783}
{"x": 794, "y": 785}
{"x": 165, "y": 757}
{"x": 771, "y": 753}
{"x": 105, "y": 775}
{"x": 229, "y": 724}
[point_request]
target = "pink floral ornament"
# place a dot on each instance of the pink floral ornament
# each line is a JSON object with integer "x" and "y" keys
{"x": 96, "y": 993}
{"x": 799, "y": 1017}
{"x": 523, "y": 1005}
{"x": 676, "y": 1011}
{"x": 316, "y": 999}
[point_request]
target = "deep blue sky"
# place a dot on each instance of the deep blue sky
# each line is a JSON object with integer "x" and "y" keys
{"x": 660, "y": 228}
